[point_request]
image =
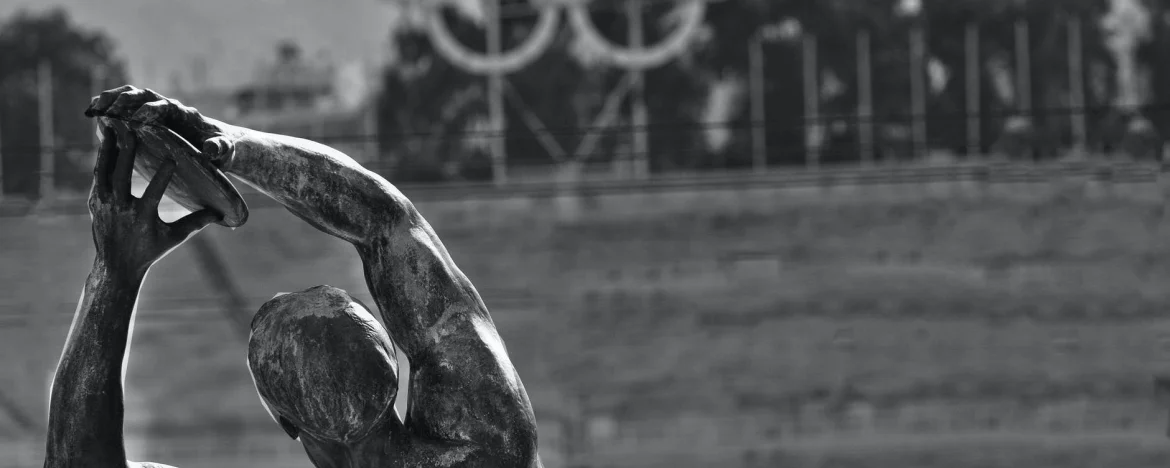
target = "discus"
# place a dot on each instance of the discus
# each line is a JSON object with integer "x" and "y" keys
{"x": 197, "y": 183}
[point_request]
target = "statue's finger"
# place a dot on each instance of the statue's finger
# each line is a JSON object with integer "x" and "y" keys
{"x": 152, "y": 96}
{"x": 92, "y": 103}
{"x": 218, "y": 149}
{"x": 99, "y": 104}
{"x": 193, "y": 222}
{"x": 102, "y": 170}
{"x": 154, "y": 112}
{"x": 128, "y": 103}
{"x": 124, "y": 168}
{"x": 158, "y": 185}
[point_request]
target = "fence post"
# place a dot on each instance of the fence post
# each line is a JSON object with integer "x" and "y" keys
{"x": 812, "y": 105}
{"x": 639, "y": 115}
{"x": 3, "y": 101}
{"x": 373, "y": 132}
{"x": 47, "y": 137}
{"x": 1023, "y": 68}
{"x": 1077, "y": 86}
{"x": 974, "y": 90}
{"x": 918, "y": 90}
{"x": 865, "y": 123}
{"x": 756, "y": 81}
{"x": 496, "y": 96}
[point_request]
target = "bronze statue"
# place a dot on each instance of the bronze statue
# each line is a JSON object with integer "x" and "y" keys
{"x": 324, "y": 368}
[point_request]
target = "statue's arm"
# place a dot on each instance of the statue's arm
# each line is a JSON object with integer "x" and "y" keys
{"x": 85, "y": 403}
{"x": 85, "y": 407}
{"x": 468, "y": 406}
{"x": 430, "y": 308}
{"x": 460, "y": 366}
{"x": 319, "y": 184}
{"x": 315, "y": 182}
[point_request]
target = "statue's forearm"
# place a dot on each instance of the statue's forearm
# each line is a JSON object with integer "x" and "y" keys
{"x": 317, "y": 183}
{"x": 410, "y": 273}
{"x": 86, "y": 407}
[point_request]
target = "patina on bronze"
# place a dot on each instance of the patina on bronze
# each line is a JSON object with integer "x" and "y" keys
{"x": 85, "y": 406}
{"x": 197, "y": 183}
{"x": 324, "y": 369}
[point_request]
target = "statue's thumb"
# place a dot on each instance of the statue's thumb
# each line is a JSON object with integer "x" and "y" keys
{"x": 219, "y": 149}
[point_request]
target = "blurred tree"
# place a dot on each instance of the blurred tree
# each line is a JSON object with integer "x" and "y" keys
{"x": 1151, "y": 53}
{"x": 75, "y": 55}
{"x": 428, "y": 106}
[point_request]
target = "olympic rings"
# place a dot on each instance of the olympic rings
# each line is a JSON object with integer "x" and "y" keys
{"x": 693, "y": 14}
{"x": 448, "y": 46}
{"x": 630, "y": 58}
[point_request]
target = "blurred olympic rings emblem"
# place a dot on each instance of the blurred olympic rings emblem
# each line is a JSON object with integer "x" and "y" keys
{"x": 692, "y": 14}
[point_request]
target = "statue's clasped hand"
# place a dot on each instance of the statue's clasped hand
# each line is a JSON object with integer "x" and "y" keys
{"x": 144, "y": 106}
{"x": 127, "y": 231}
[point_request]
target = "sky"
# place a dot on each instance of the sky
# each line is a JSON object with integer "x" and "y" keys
{"x": 158, "y": 38}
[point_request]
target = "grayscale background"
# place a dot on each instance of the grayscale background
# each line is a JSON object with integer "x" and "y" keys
{"x": 799, "y": 233}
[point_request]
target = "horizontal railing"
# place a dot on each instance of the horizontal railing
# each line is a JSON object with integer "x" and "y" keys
{"x": 828, "y": 177}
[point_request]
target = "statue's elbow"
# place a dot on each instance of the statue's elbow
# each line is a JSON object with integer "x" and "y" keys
{"x": 386, "y": 215}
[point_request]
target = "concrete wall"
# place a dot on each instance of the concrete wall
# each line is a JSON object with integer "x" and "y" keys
{"x": 640, "y": 314}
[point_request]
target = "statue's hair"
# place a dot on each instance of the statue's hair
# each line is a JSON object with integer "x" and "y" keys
{"x": 322, "y": 363}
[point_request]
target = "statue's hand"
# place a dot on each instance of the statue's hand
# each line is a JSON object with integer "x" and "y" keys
{"x": 127, "y": 231}
{"x": 148, "y": 107}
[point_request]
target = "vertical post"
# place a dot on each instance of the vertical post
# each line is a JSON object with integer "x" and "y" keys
{"x": 918, "y": 91}
{"x": 974, "y": 90}
{"x": 1023, "y": 68}
{"x": 812, "y": 104}
{"x": 3, "y": 101}
{"x": 45, "y": 108}
{"x": 639, "y": 115}
{"x": 317, "y": 128}
{"x": 865, "y": 123}
{"x": 756, "y": 79}
{"x": 373, "y": 133}
{"x": 1076, "y": 84}
{"x": 496, "y": 97}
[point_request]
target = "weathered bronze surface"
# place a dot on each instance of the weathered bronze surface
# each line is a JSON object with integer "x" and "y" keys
{"x": 324, "y": 368}
{"x": 197, "y": 183}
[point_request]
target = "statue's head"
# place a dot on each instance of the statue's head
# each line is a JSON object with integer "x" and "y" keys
{"x": 322, "y": 365}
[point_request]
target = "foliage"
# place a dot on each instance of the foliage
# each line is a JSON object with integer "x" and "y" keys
{"x": 74, "y": 53}
{"x": 411, "y": 109}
